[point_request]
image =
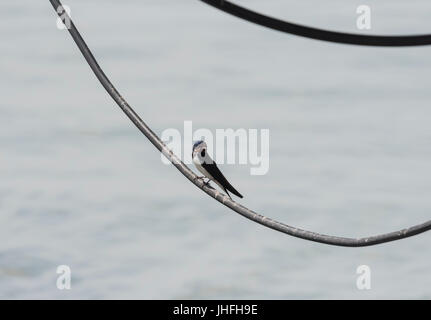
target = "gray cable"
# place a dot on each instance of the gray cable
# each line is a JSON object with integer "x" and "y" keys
{"x": 155, "y": 140}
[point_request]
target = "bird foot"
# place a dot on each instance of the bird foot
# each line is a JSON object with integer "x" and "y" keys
{"x": 206, "y": 183}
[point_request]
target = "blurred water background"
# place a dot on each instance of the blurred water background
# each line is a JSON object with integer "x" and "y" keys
{"x": 80, "y": 186}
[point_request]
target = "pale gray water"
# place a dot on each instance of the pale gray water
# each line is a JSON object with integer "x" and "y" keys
{"x": 350, "y": 152}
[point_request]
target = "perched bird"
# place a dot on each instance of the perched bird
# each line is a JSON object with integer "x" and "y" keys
{"x": 209, "y": 169}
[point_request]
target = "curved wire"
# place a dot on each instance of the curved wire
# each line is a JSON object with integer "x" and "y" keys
{"x": 222, "y": 198}
{"x": 319, "y": 34}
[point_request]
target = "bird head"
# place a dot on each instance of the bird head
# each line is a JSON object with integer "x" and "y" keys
{"x": 199, "y": 150}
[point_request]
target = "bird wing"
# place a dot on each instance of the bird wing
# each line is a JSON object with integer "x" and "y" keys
{"x": 215, "y": 172}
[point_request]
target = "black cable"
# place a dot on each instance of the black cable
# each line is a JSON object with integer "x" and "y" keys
{"x": 319, "y": 34}
{"x": 222, "y": 198}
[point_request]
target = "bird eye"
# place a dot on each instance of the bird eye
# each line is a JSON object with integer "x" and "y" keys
{"x": 203, "y": 153}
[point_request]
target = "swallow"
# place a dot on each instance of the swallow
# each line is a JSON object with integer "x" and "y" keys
{"x": 209, "y": 169}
